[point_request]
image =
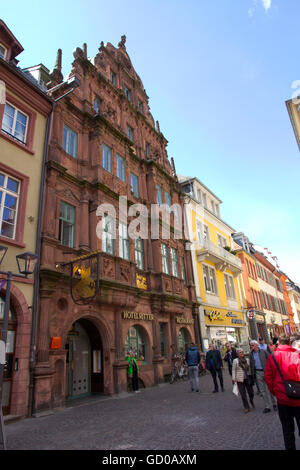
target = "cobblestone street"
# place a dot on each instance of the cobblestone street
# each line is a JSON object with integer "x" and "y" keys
{"x": 168, "y": 417}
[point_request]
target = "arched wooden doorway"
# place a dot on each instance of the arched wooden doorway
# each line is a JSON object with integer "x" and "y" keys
{"x": 84, "y": 373}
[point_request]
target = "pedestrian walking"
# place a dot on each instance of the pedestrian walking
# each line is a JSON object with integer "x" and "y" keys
{"x": 295, "y": 341}
{"x": 133, "y": 372}
{"x": 271, "y": 347}
{"x": 230, "y": 355}
{"x": 288, "y": 368}
{"x": 192, "y": 358}
{"x": 241, "y": 375}
{"x": 262, "y": 344}
{"x": 258, "y": 361}
{"x": 213, "y": 363}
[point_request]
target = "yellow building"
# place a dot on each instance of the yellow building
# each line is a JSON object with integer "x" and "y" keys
{"x": 217, "y": 271}
{"x": 24, "y": 112}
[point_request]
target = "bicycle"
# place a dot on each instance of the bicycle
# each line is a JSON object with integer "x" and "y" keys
{"x": 180, "y": 369}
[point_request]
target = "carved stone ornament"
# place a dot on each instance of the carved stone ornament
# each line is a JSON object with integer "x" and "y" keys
{"x": 122, "y": 42}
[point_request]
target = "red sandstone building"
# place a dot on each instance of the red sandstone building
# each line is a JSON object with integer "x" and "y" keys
{"x": 105, "y": 144}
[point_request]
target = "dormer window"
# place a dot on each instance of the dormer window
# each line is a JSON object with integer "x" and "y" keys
{"x": 15, "y": 122}
{"x": 3, "y": 51}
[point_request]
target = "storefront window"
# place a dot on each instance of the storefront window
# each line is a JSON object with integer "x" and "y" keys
{"x": 221, "y": 336}
{"x": 163, "y": 338}
{"x": 182, "y": 340}
{"x": 136, "y": 342}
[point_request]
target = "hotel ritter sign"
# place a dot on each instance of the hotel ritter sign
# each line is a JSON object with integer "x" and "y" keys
{"x": 223, "y": 317}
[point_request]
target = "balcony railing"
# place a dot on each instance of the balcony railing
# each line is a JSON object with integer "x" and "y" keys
{"x": 222, "y": 258}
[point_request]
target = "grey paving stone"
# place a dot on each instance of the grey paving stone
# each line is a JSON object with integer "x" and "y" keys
{"x": 159, "y": 418}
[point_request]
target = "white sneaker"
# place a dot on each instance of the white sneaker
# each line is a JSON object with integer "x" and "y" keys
{"x": 137, "y": 391}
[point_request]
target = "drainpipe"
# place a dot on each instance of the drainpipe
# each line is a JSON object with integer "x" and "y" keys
{"x": 35, "y": 306}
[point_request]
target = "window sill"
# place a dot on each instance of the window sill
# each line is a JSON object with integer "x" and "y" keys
{"x": 11, "y": 241}
{"x": 15, "y": 142}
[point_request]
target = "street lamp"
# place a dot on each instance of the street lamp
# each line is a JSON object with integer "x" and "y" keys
{"x": 26, "y": 265}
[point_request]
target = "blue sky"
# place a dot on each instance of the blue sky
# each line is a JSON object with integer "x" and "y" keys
{"x": 218, "y": 74}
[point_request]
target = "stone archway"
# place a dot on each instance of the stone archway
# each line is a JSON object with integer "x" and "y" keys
{"x": 87, "y": 357}
{"x": 21, "y": 351}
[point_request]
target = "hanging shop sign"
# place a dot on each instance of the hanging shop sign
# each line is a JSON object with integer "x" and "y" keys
{"x": 137, "y": 316}
{"x": 260, "y": 318}
{"x": 251, "y": 314}
{"x": 223, "y": 317}
{"x": 184, "y": 321}
{"x": 84, "y": 278}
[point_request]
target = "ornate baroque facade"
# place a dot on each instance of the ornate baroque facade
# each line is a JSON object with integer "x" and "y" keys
{"x": 105, "y": 144}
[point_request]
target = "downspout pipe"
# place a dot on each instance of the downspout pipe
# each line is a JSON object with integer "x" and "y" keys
{"x": 35, "y": 306}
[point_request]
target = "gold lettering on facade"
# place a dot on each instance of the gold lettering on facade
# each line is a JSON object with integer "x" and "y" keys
{"x": 185, "y": 321}
{"x": 137, "y": 316}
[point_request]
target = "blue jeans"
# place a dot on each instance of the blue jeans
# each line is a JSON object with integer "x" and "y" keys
{"x": 193, "y": 375}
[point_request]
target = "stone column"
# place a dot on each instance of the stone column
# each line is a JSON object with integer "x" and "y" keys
{"x": 43, "y": 374}
{"x": 120, "y": 365}
{"x": 83, "y": 224}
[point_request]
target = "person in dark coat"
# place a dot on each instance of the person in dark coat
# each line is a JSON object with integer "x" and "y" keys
{"x": 230, "y": 355}
{"x": 192, "y": 358}
{"x": 213, "y": 362}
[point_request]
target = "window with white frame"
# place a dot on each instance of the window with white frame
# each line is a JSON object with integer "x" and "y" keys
{"x": 165, "y": 259}
{"x": 199, "y": 198}
{"x": 229, "y": 286}
{"x": 204, "y": 200}
{"x": 106, "y": 157}
{"x": 121, "y": 168}
{"x": 134, "y": 184}
{"x": 3, "y": 51}
{"x": 174, "y": 259}
{"x": 210, "y": 281}
{"x": 222, "y": 241}
{"x": 70, "y": 141}
{"x": 202, "y": 231}
{"x": 139, "y": 253}
{"x": 123, "y": 241}
{"x": 15, "y": 122}
{"x": 66, "y": 224}
{"x": 108, "y": 235}
{"x": 9, "y": 201}
{"x": 213, "y": 207}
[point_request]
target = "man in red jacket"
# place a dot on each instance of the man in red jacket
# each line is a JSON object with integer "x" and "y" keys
{"x": 288, "y": 360}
